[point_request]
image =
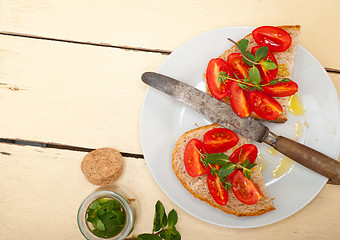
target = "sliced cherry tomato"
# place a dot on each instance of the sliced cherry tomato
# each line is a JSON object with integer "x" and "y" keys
{"x": 248, "y": 152}
{"x": 238, "y": 100}
{"x": 266, "y": 74}
{"x": 217, "y": 89}
{"x": 281, "y": 89}
{"x": 245, "y": 190}
{"x": 264, "y": 106}
{"x": 244, "y": 153}
{"x": 219, "y": 140}
{"x": 217, "y": 191}
{"x": 239, "y": 67}
{"x": 276, "y": 39}
{"x": 192, "y": 161}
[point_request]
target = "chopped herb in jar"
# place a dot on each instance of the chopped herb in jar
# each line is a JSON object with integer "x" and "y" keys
{"x": 107, "y": 217}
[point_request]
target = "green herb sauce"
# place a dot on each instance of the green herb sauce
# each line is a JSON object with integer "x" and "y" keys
{"x": 107, "y": 217}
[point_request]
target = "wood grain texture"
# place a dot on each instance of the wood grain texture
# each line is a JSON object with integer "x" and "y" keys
{"x": 165, "y": 25}
{"x": 60, "y": 89}
{"x": 72, "y": 94}
{"x": 42, "y": 190}
{"x": 336, "y": 81}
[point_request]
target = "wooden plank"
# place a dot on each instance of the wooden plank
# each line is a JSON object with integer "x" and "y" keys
{"x": 72, "y": 94}
{"x": 43, "y": 188}
{"x": 166, "y": 25}
{"x": 336, "y": 81}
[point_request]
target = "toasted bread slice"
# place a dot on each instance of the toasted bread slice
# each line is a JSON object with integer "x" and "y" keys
{"x": 198, "y": 186}
{"x": 285, "y": 62}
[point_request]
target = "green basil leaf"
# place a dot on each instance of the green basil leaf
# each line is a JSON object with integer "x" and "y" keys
{"x": 216, "y": 159}
{"x": 99, "y": 233}
{"x": 268, "y": 64}
{"x": 246, "y": 78}
{"x": 213, "y": 171}
{"x": 227, "y": 186}
{"x": 205, "y": 164}
{"x": 120, "y": 217}
{"x": 103, "y": 200}
{"x": 172, "y": 218}
{"x": 159, "y": 215}
{"x": 95, "y": 205}
{"x": 166, "y": 234}
{"x": 250, "y": 57}
{"x": 284, "y": 80}
{"x": 251, "y": 165}
{"x": 91, "y": 215}
{"x": 164, "y": 220}
{"x": 273, "y": 82}
{"x": 245, "y": 163}
{"x": 107, "y": 215}
{"x": 242, "y": 45}
{"x": 254, "y": 75}
{"x": 223, "y": 77}
{"x": 110, "y": 206}
{"x": 100, "y": 225}
{"x": 226, "y": 170}
{"x": 258, "y": 87}
{"x": 101, "y": 211}
{"x": 148, "y": 236}
{"x": 247, "y": 173}
{"x": 261, "y": 53}
{"x": 175, "y": 234}
{"x": 112, "y": 228}
{"x": 243, "y": 86}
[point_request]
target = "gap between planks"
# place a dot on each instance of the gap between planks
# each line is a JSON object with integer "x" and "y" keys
{"x": 21, "y": 142}
{"x": 164, "y": 52}
{"x": 82, "y": 149}
{"x": 57, "y": 146}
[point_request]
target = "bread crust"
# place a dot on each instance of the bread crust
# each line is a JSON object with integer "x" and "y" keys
{"x": 198, "y": 186}
{"x": 285, "y": 63}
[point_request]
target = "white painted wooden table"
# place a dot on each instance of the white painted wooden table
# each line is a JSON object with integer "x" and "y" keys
{"x": 70, "y": 76}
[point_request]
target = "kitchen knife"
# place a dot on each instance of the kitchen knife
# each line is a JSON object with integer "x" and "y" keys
{"x": 222, "y": 113}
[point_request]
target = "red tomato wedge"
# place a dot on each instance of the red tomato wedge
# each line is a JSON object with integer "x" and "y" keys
{"x": 217, "y": 89}
{"x": 238, "y": 100}
{"x": 219, "y": 140}
{"x": 245, "y": 190}
{"x": 264, "y": 106}
{"x": 276, "y": 39}
{"x": 244, "y": 153}
{"x": 238, "y": 66}
{"x": 266, "y": 74}
{"x": 217, "y": 191}
{"x": 192, "y": 160}
{"x": 281, "y": 89}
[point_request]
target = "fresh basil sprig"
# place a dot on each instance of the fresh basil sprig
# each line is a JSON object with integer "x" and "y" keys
{"x": 250, "y": 82}
{"x": 163, "y": 226}
{"x": 252, "y": 60}
{"x": 226, "y": 167}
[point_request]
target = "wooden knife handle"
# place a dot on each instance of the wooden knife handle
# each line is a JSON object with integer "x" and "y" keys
{"x": 309, "y": 158}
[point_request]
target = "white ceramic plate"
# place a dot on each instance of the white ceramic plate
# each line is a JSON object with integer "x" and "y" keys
{"x": 164, "y": 120}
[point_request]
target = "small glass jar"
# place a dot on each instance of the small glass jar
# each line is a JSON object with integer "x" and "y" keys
{"x": 109, "y": 194}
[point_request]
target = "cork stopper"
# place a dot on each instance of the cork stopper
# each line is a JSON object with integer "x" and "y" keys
{"x": 102, "y": 166}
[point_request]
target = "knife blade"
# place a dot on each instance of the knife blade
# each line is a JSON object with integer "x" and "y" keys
{"x": 220, "y": 112}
